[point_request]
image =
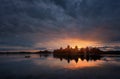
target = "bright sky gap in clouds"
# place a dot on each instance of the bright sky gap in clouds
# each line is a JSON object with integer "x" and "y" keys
{"x": 50, "y": 24}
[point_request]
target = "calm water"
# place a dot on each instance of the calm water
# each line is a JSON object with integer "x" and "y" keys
{"x": 48, "y": 67}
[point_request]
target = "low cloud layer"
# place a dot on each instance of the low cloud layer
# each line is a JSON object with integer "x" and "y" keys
{"x": 28, "y": 22}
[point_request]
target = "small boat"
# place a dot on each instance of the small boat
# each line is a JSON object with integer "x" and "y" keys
{"x": 27, "y": 56}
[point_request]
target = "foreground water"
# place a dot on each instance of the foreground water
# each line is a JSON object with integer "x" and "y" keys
{"x": 35, "y": 66}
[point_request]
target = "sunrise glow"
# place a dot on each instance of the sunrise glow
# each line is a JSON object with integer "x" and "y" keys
{"x": 68, "y": 41}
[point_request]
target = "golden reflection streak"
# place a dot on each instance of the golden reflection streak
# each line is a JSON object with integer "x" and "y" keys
{"x": 56, "y": 63}
{"x": 82, "y": 64}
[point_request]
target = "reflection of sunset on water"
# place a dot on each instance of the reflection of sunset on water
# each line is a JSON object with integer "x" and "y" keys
{"x": 73, "y": 65}
{"x": 82, "y": 64}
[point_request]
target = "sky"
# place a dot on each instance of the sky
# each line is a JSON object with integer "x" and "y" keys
{"x": 50, "y": 24}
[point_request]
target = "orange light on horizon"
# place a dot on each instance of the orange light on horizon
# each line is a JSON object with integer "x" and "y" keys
{"x": 67, "y": 41}
{"x": 79, "y": 43}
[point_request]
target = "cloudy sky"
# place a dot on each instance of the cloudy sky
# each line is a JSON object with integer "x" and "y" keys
{"x": 50, "y": 24}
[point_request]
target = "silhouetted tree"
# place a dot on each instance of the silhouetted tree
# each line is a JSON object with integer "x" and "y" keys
{"x": 68, "y": 47}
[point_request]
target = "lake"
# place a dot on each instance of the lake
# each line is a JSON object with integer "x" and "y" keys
{"x": 46, "y": 66}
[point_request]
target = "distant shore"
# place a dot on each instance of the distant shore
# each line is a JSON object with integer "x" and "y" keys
{"x": 49, "y": 52}
{"x": 70, "y": 51}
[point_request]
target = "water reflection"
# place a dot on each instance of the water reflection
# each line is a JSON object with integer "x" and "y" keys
{"x": 82, "y": 64}
{"x": 75, "y": 62}
{"x": 45, "y": 55}
{"x": 78, "y": 57}
{"x": 69, "y": 62}
{"x": 48, "y": 66}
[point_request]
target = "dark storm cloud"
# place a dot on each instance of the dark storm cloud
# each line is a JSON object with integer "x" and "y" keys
{"x": 14, "y": 41}
{"x": 27, "y": 22}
